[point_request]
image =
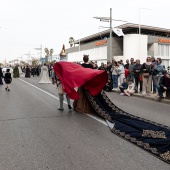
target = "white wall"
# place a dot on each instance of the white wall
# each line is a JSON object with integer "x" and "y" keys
{"x": 99, "y": 53}
{"x": 135, "y": 46}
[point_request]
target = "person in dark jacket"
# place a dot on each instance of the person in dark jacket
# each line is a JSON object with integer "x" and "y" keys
{"x": 123, "y": 86}
{"x": 164, "y": 84}
{"x": 7, "y": 79}
{"x": 137, "y": 73}
{"x": 1, "y": 76}
{"x": 109, "y": 85}
{"x": 16, "y": 72}
{"x": 27, "y": 72}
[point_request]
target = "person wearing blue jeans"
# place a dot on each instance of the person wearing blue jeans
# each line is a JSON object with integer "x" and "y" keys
{"x": 114, "y": 75}
{"x": 164, "y": 84}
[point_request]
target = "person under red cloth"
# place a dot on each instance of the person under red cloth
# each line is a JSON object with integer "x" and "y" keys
{"x": 73, "y": 75}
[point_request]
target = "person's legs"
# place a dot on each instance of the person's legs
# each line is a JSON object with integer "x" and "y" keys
{"x": 121, "y": 89}
{"x": 121, "y": 78}
{"x": 141, "y": 84}
{"x": 115, "y": 81}
{"x": 61, "y": 99}
{"x": 144, "y": 85}
{"x": 136, "y": 84}
{"x": 149, "y": 84}
{"x": 126, "y": 93}
{"x": 155, "y": 84}
{"x": 160, "y": 91}
{"x": 68, "y": 102}
{"x": 1, "y": 82}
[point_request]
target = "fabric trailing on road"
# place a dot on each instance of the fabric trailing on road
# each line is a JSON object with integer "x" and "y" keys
{"x": 150, "y": 136}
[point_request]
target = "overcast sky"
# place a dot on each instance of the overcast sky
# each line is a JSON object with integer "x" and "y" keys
{"x": 26, "y": 24}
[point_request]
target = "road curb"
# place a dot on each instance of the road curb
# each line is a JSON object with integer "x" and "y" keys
{"x": 152, "y": 98}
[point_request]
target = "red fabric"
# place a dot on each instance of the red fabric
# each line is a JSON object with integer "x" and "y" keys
{"x": 126, "y": 72}
{"x": 73, "y": 75}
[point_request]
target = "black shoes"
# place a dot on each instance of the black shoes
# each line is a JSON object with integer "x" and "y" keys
{"x": 59, "y": 108}
{"x": 7, "y": 89}
{"x": 69, "y": 107}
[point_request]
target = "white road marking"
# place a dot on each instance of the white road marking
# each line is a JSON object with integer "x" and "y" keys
{"x": 93, "y": 117}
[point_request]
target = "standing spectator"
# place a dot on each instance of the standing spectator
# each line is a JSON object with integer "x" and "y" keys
{"x": 96, "y": 65}
{"x": 114, "y": 75}
{"x": 131, "y": 73}
{"x": 1, "y": 76}
{"x": 121, "y": 61}
{"x": 123, "y": 86}
{"x": 7, "y": 79}
{"x": 109, "y": 66}
{"x": 147, "y": 76}
{"x": 154, "y": 64}
{"x": 157, "y": 72}
{"x": 164, "y": 84}
{"x": 121, "y": 72}
{"x": 137, "y": 74}
{"x": 126, "y": 66}
{"x": 102, "y": 67}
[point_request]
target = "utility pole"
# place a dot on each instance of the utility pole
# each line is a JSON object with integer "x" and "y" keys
{"x": 111, "y": 55}
{"x": 109, "y": 19}
{"x": 140, "y": 28}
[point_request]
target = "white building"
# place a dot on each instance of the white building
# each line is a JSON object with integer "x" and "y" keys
{"x": 152, "y": 41}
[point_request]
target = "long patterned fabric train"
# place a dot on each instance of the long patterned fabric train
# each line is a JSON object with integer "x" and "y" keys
{"x": 150, "y": 136}
{"x": 73, "y": 75}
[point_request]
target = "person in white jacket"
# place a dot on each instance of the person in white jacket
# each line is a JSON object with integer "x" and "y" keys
{"x": 121, "y": 72}
{"x": 131, "y": 89}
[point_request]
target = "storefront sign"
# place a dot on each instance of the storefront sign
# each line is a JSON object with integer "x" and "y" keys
{"x": 101, "y": 42}
{"x": 163, "y": 40}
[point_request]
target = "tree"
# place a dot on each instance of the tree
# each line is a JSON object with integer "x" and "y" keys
{"x": 34, "y": 62}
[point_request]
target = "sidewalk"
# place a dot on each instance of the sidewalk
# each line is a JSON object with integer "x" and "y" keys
{"x": 153, "y": 97}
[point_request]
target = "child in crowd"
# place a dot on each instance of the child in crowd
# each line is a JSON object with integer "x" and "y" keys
{"x": 131, "y": 89}
{"x": 123, "y": 86}
{"x": 7, "y": 79}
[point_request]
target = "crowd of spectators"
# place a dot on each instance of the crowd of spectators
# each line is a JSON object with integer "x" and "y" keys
{"x": 133, "y": 76}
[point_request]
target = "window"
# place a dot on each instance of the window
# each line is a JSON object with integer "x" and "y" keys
{"x": 163, "y": 50}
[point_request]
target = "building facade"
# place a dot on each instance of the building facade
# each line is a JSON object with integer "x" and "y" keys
{"x": 152, "y": 41}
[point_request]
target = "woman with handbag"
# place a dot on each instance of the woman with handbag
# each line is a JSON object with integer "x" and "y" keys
{"x": 147, "y": 76}
{"x": 157, "y": 72}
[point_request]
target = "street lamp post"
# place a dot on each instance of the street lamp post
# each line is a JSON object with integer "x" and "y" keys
{"x": 140, "y": 26}
{"x": 109, "y": 19}
{"x": 40, "y": 52}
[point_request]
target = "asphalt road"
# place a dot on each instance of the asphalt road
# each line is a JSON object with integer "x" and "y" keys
{"x": 34, "y": 135}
